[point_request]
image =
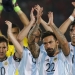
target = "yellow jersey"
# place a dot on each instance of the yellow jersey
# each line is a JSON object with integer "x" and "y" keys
{"x": 11, "y": 48}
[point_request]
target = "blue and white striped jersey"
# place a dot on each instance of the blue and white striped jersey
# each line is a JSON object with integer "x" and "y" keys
{"x": 57, "y": 65}
{"x": 42, "y": 49}
{"x": 72, "y": 57}
{"x": 28, "y": 64}
{"x": 8, "y": 67}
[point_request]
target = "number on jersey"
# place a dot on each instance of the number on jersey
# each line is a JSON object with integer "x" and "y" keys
{"x": 50, "y": 67}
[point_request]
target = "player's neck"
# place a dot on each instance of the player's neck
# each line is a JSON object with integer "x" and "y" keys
{"x": 73, "y": 43}
{"x": 56, "y": 53}
{"x": 1, "y": 60}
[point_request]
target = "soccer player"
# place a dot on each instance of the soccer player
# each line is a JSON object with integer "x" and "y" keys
{"x": 25, "y": 22}
{"x": 34, "y": 37}
{"x": 55, "y": 55}
{"x": 11, "y": 48}
{"x": 70, "y": 22}
{"x": 16, "y": 29}
{"x": 9, "y": 65}
{"x": 63, "y": 29}
{"x": 28, "y": 63}
{"x": 55, "y": 59}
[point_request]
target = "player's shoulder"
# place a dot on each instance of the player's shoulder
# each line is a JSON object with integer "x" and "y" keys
{"x": 69, "y": 43}
{"x": 27, "y": 52}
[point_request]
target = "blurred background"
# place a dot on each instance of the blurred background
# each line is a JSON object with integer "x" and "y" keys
{"x": 62, "y": 9}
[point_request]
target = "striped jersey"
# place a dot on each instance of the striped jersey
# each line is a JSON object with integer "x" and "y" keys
{"x": 72, "y": 57}
{"x": 42, "y": 49}
{"x": 57, "y": 65}
{"x": 11, "y": 48}
{"x": 8, "y": 67}
{"x": 28, "y": 64}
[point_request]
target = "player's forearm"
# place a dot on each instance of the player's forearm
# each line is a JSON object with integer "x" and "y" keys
{"x": 23, "y": 17}
{"x": 61, "y": 38}
{"x": 34, "y": 49}
{"x": 30, "y": 35}
{"x": 63, "y": 28}
{"x": 45, "y": 25}
{"x": 24, "y": 32}
{"x": 18, "y": 47}
{"x": 58, "y": 34}
{"x": 66, "y": 24}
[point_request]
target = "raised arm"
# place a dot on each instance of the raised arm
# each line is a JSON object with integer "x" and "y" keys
{"x": 31, "y": 38}
{"x": 44, "y": 24}
{"x": 34, "y": 48}
{"x": 24, "y": 32}
{"x": 36, "y": 26}
{"x": 63, "y": 28}
{"x": 24, "y": 19}
{"x": 61, "y": 38}
{"x": 18, "y": 47}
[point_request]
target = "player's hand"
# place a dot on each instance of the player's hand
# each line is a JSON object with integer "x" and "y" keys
{"x": 14, "y": 2}
{"x": 32, "y": 17}
{"x": 73, "y": 13}
{"x": 50, "y": 16}
{"x": 73, "y": 3}
{"x": 39, "y": 14}
{"x": 37, "y": 8}
{"x": 9, "y": 24}
{"x": 39, "y": 11}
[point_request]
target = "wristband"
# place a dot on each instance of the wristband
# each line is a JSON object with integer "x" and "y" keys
{"x": 17, "y": 8}
{"x": 71, "y": 18}
{"x": 1, "y": 7}
{"x": 13, "y": 1}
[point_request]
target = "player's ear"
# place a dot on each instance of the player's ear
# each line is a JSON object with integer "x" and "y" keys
{"x": 57, "y": 42}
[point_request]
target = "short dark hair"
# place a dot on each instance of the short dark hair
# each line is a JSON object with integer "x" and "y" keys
{"x": 15, "y": 26}
{"x": 72, "y": 25}
{"x": 3, "y": 39}
{"x": 48, "y": 33}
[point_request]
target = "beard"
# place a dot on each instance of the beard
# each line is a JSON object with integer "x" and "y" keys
{"x": 50, "y": 52}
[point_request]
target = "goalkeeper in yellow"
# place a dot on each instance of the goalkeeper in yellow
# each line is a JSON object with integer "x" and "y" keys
{"x": 15, "y": 31}
{"x": 15, "y": 28}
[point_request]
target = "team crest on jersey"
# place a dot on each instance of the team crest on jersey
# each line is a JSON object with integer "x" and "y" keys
{"x": 6, "y": 63}
{"x": 55, "y": 59}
